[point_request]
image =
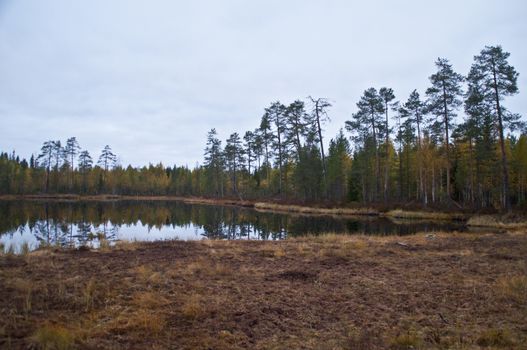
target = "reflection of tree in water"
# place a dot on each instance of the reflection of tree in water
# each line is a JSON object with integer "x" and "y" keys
{"x": 106, "y": 231}
{"x": 76, "y": 223}
{"x": 83, "y": 233}
{"x": 211, "y": 221}
{"x": 51, "y": 232}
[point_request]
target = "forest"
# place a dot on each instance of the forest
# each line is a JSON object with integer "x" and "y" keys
{"x": 455, "y": 145}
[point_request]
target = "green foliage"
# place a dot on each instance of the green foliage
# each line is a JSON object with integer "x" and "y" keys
{"x": 418, "y": 154}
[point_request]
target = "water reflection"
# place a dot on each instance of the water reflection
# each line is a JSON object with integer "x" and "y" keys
{"x": 76, "y": 224}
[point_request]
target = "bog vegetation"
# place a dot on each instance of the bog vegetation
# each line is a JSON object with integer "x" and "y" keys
{"x": 400, "y": 151}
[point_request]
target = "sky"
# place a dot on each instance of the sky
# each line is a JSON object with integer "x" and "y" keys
{"x": 151, "y": 78}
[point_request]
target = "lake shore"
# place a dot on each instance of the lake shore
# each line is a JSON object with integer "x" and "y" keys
{"x": 498, "y": 221}
{"x": 433, "y": 291}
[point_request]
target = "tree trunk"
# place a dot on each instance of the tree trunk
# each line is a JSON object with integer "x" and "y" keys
{"x": 319, "y": 129}
{"x": 505, "y": 174}
{"x": 387, "y": 165}
{"x": 447, "y": 143}
{"x": 377, "y": 162}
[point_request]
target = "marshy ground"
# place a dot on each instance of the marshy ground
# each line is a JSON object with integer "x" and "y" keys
{"x": 435, "y": 291}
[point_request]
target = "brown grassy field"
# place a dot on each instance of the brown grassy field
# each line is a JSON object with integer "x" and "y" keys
{"x": 440, "y": 291}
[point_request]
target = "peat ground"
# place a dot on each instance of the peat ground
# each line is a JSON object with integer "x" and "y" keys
{"x": 435, "y": 291}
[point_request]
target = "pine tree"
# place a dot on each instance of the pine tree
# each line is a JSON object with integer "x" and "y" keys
{"x": 107, "y": 159}
{"x": 414, "y": 108}
{"x": 276, "y": 113}
{"x": 444, "y": 98}
{"x": 85, "y": 165}
{"x": 497, "y": 79}
{"x": 70, "y": 151}
{"x": 367, "y": 125}
{"x": 387, "y": 96}
{"x": 214, "y": 161}
{"x": 234, "y": 159}
{"x": 296, "y": 121}
{"x": 44, "y": 159}
{"x": 319, "y": 116}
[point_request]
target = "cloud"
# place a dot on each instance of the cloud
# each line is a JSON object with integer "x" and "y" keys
{"x": 151, "y": 79}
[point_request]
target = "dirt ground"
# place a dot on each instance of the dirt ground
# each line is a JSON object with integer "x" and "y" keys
{"x": 435, "y": 291}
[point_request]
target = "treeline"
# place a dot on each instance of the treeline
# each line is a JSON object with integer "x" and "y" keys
{"x": 413, "y": 150}
{"x": 402, "y": 151}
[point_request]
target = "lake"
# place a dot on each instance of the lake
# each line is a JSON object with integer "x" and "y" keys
{"x": 74, "y": 224}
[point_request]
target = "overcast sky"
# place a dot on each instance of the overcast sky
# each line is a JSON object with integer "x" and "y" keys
{"x": 150, "y": 78}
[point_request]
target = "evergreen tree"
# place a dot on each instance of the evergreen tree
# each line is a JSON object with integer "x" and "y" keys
{"x": 234, "y": 159}
{"x": 296, "y": 121}
{"x": 214, "y": 161}
{"x": 444, "y": 98}
{"x": 367, "y": 126}
{"x": 249, "y": 148}
{"x": 267, "y": 138}
{"x": 319, "y": 116}
{"x": 497, "y": 79}
{"x": 339, "y": 163}
{"x": 85, "y": 165}
{"x": 414, "y": 110}
{"x": 45, "y": 159}
{"x": 276, "y": 113}
{"x": 387, "y": 96}
{"x": 70, "y": 151}
{"x": 107, "y": 159}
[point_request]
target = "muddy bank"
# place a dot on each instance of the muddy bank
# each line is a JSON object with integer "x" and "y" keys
{"x": 332, "y": 292}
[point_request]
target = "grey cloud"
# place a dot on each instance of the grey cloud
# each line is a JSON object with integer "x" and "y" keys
{"x": 151, "y": 78}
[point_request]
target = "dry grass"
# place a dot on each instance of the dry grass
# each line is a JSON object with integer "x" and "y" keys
{"x": 204, "y": 268}
{"x": 313, "y": 210}
{"x": 54, "y": 337}
{"x": 513, "y": 288}
{"x": 88, "y": 294}
{"x": 497, "y": 221}
{"x": 25, "y": 289}
{"x": 147, "y": 275}
{"x": 495, "y": 338}
{"x": 126, "y": 245}
{"x": 406, "y": 341}
{"x": 149, "y": 300}
{"x": 423, "y": 215}
{"x": 142, "y": 323}
{"x": 323, "y": 292}
{"x": 104, "y": 244}
{"x": 195, "y": 307}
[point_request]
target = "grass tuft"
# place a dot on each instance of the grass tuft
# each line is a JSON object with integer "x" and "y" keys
{"x": 54, "y": 337}
{"x": 10, "y": 250}
{"x": 513, "y": 288}
{"x": 499, "y": 338}
{"x": 88, "y": 294}
{"x": 147, "y": 322}
{"x": 126, "y": 245}
{"x": 206, "y": 268}
{"x": 405, "y": 341}
{"x": 25, "y": 249}
{"x": 147, "y": 275}
{"x": 149, "y": 300}
{"x": 194, "y": 307}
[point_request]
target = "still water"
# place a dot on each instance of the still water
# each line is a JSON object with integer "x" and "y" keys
{"x": 36, "y": 223}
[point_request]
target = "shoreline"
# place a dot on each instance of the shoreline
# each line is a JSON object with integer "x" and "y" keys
{"x": 471, "y": 219}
